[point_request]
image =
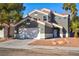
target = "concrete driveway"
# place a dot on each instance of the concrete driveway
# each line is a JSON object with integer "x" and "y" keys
{"x": 15, "y": 43}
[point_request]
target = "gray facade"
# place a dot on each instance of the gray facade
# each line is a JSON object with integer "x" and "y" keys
{"x": 38, "y": 16}
{"x": 43, "y": 24}
{"x": 62, "y": 21}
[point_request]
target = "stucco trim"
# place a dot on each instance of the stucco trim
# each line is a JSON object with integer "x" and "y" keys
{"x": 60, "y": 15}
{"x": 43, "y": 23}
{"x": 45, "y": 9}
{"x": 66, "y": 34}
{"x": 61, "y": 35}
{"x": 41, "y": 11}
{"x": 20, "y": 22}
{"x": 38, "y": 11}
{"x": 57, "y": 25}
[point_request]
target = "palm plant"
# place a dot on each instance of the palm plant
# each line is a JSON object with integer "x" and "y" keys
{"x": 70, "y": 7}
{"x": 74, "y": 23}
{"x": 74, "y": 26}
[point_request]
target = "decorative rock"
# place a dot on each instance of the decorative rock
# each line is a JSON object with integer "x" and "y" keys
{"x": 60, "y": 42}
{"x": 54, "y": 43}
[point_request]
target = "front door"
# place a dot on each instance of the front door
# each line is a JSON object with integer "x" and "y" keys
{"x": 56, "y": 32}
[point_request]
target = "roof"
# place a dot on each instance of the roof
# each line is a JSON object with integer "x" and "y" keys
{"x": 61, "y": 15}
{"x": 38, "y": 11}
{"x": 40, "y": 22}
{"x": 47, "y": 11}
{"x": 21, "y": 21}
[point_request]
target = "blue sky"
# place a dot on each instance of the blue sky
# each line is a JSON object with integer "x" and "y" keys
{"x": 53, "y": 6}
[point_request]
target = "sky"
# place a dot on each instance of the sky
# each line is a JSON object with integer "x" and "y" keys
{"x": 52, "y": 6}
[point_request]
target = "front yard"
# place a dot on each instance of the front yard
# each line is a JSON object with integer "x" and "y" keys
{"x": 66, "y": 42}
{"x": 43, "y": 47}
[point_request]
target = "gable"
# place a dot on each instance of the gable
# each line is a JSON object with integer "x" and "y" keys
{"x": 30, "y": 24}
{"x": 38, "y": 15}
{"x": 62, "y": 21}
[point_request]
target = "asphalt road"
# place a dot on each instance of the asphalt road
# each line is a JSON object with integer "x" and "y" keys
{"x": 37, "y": 52}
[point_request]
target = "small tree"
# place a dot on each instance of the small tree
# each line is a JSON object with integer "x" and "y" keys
{"x": 72, "y": 10}
{"x": 10, "y": 13}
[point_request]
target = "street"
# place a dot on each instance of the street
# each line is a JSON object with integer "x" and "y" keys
{"x": 37, "y": 52}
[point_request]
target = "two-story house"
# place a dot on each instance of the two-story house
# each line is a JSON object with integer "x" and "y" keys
{"x": 41, "y": 24}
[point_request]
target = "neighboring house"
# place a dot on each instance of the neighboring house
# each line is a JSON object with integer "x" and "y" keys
{"x": 40, "y": 24}
{"x": 4, "y": 30}
{"x": 2, "y": 33}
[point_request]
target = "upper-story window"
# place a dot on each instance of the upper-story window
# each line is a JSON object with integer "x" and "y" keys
{"x": 35, "y": 19}
{"x": 49, "y": 17}
{"x": 44, "y": 18}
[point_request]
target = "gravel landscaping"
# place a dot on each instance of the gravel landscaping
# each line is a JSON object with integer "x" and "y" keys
{"x": 65, "y": 42}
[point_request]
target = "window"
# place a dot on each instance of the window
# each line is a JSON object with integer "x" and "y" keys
{"x": 49, "y": 17}
{"x": 44, "y": 18}
{"x": 35, "y": 19}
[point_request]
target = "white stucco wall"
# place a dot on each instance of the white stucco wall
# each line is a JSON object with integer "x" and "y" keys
{"x": 66, "y": 34}
{"x": 2, "y": 33}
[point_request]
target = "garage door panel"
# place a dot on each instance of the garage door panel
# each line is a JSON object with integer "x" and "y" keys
{"x": 28, "y": 33}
